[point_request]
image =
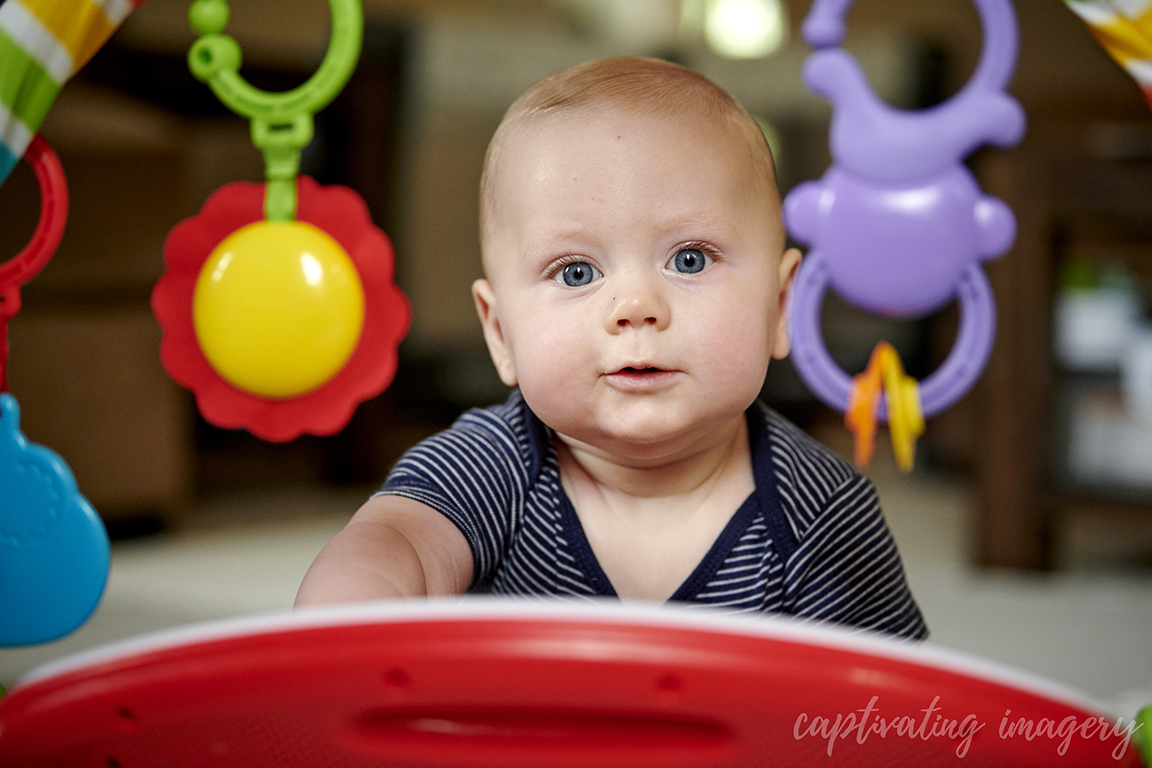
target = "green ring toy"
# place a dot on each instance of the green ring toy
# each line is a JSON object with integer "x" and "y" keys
{"x": 281, "y": 122}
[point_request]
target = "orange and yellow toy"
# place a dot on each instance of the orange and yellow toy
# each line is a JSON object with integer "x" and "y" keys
{"x": 1124, "y": 29}
{"x": 884, "y": 373}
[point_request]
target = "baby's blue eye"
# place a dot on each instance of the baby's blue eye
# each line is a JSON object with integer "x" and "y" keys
{"x": 689, "y": 261}
{"x": 578, "y": 274}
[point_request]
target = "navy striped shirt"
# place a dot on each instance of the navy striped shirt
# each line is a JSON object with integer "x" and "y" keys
{"x": 810, "y": 542}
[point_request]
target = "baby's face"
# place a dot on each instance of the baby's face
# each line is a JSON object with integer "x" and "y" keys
{"x": 635, "y": 278}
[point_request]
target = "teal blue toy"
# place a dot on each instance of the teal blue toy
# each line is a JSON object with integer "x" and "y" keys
{"x": 54, "y": 551}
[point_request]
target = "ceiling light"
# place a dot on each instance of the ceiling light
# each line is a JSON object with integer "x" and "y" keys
{"x": 744, "y": 29}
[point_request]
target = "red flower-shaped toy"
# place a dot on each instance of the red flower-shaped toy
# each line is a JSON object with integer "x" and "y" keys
{"x": 280, "y": 328}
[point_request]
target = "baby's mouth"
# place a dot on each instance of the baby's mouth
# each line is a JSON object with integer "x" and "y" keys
{"x": 641, "y": 378}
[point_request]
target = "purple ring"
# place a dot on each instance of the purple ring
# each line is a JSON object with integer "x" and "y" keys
{"x": 942, "y": 388}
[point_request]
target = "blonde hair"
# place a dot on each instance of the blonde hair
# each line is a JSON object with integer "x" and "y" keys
{"x": 641, "y": 85}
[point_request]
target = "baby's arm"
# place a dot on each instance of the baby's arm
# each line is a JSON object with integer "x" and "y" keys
{"x": 392, "y": 547}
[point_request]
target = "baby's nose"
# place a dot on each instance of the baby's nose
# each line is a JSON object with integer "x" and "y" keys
{"x": 637, "y": 305}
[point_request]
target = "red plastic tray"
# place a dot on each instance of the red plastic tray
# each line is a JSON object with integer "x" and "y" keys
{"x": 492, "y": 683}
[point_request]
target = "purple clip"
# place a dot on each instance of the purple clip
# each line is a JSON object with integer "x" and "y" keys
{"x": 898, "y": 225}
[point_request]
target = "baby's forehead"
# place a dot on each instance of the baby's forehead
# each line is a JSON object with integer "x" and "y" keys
{"x": 546, "y": 117}
{"x": 663, "y": 152}
{"x": 732, "y": 153}
{"x": 553, "y": 131}
{"x": 687, "y": 110}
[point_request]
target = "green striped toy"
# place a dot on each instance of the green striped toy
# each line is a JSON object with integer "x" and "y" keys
{"x": 42, "y": 44}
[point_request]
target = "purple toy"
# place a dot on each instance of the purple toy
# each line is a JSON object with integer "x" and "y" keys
{"x": 898, "y": 225}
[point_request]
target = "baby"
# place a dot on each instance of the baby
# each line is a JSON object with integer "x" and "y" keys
{"x": 636, "y": 289}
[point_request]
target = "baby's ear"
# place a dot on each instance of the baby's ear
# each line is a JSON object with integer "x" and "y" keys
{"x": 789, "y": 264}
{"x": 485, "y": 299}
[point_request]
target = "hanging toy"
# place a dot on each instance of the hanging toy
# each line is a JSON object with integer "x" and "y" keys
{"x": 42, "y": 44}
{"x": 905, "y": 421}
{"x": 898, "y": 225}
{"x": 278, "y": 304}
{"x": 1124, "y": 29}
{"x": 54, "y": 551}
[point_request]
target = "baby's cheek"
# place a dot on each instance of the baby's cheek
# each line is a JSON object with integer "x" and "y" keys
{"x": 556, "y": 389}
{"x": 737, "y": 344}
{"x": 551, "y": 363}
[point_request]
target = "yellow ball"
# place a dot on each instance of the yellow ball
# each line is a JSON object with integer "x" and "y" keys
{"x": 278, "y": 308}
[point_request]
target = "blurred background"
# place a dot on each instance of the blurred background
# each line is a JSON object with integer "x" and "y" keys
{"x": 1027, "y": 524}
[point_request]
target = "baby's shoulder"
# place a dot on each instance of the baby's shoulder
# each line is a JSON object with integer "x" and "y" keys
{"x": 503, "y": 434}
{"x": 809, "y": 475}
{"x": 797, "y": 448}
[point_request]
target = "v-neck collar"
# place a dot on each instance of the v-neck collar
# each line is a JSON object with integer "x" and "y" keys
{"x": 763, "y": 499}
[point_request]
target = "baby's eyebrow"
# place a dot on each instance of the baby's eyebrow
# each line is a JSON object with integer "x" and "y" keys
{"x": 702, "y": 225}
{"x": 554, "y": 244}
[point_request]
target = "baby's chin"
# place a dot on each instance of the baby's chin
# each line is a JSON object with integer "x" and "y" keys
{"x": 641, "y": 443}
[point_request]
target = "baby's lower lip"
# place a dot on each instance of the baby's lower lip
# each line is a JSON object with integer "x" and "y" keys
{"x": 641, "y": 378}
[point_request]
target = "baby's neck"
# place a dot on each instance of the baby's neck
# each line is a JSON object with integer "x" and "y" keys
{"x": 650, "y": 521}
{"x": 692, "y": 468}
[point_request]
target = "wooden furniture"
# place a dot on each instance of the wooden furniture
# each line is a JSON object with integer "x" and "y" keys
{"x": 1077, "y": 184}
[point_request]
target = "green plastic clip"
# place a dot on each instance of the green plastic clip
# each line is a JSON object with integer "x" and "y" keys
{"x": 281, "y": 122}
